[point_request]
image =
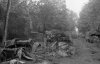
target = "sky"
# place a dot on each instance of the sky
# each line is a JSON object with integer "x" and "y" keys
{"x": 76, "y": 5}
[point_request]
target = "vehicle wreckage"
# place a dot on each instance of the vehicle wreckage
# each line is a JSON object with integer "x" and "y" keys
{"x": 57, "y": 44}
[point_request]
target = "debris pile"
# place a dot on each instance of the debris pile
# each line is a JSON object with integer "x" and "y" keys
{"x": 15, "y": 50}
{"x": 60, "y": 43}
{"x": 57, "y": 45}
{"x": 94, "y": 38}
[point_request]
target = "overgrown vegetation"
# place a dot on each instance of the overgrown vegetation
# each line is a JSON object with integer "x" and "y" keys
{"x": 89, "y": 22}
{"x": 29, "y": 26}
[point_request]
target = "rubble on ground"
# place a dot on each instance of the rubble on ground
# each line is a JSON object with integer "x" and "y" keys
{"x": 58, "y": 44}
{"x": 93, "y": 37}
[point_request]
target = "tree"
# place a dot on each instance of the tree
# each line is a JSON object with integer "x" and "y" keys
{"x": 6, "y": 22}
{"x": 89, "y": 17}
{"x": 43, "y": 15}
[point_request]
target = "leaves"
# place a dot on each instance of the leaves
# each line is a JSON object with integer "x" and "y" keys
{"x": 44, "y": 15}
{"x": 89, "y": 17}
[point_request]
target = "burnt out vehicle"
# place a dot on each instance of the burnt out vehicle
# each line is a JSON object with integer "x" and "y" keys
{"x": 12, "y": 48}
{"x": 93, "y": 37}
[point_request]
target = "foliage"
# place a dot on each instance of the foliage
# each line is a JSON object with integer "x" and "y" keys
{"x": 90, "y": 17}
{"x": 37, "y": 16}
{"x": 16, "y": 26}
{"x": 27, "y": 17}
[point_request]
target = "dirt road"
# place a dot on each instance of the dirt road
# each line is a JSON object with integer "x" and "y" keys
{"x": 87, "y": 54}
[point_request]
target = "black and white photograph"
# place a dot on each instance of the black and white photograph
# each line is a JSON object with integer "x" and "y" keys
{"x": 49, "y": 31}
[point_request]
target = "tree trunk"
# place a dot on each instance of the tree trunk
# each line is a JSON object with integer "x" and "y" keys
{"x": 30, "y": 20}
{"x": 6, "y": 22}
{"x": 44, "y": 34}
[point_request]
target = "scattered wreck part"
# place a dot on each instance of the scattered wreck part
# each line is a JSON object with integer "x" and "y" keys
{"x": 17, "y": 43}
{"x": 35, "y": 45}
{"x": 52, "y": 54}
{"x": 61, "y": 43}
{"x": 65, "y": 46}
{"x": 26, "y": 56}
{"x": 93, "y": 39}
{"x": 15, "y": 61}
{"x": 1, "y": 49}
{"x": 72, "y": 50}
{"x": 15, "y": 50}
{"x": 29, "y": 40}
{"x": 24, "y": 42}
{"x": 19, "y": 53}
{"x": 66, "y": 53}
{"x": 55, "y": 36}
{"x": 8, "y": 54}
{"x": 54, "y": 44}
{"x": 10, "y": 42}
{"x": 44, "y": 62}
{"x": 65, "y": 49}
{"x": 62, "y": 53}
